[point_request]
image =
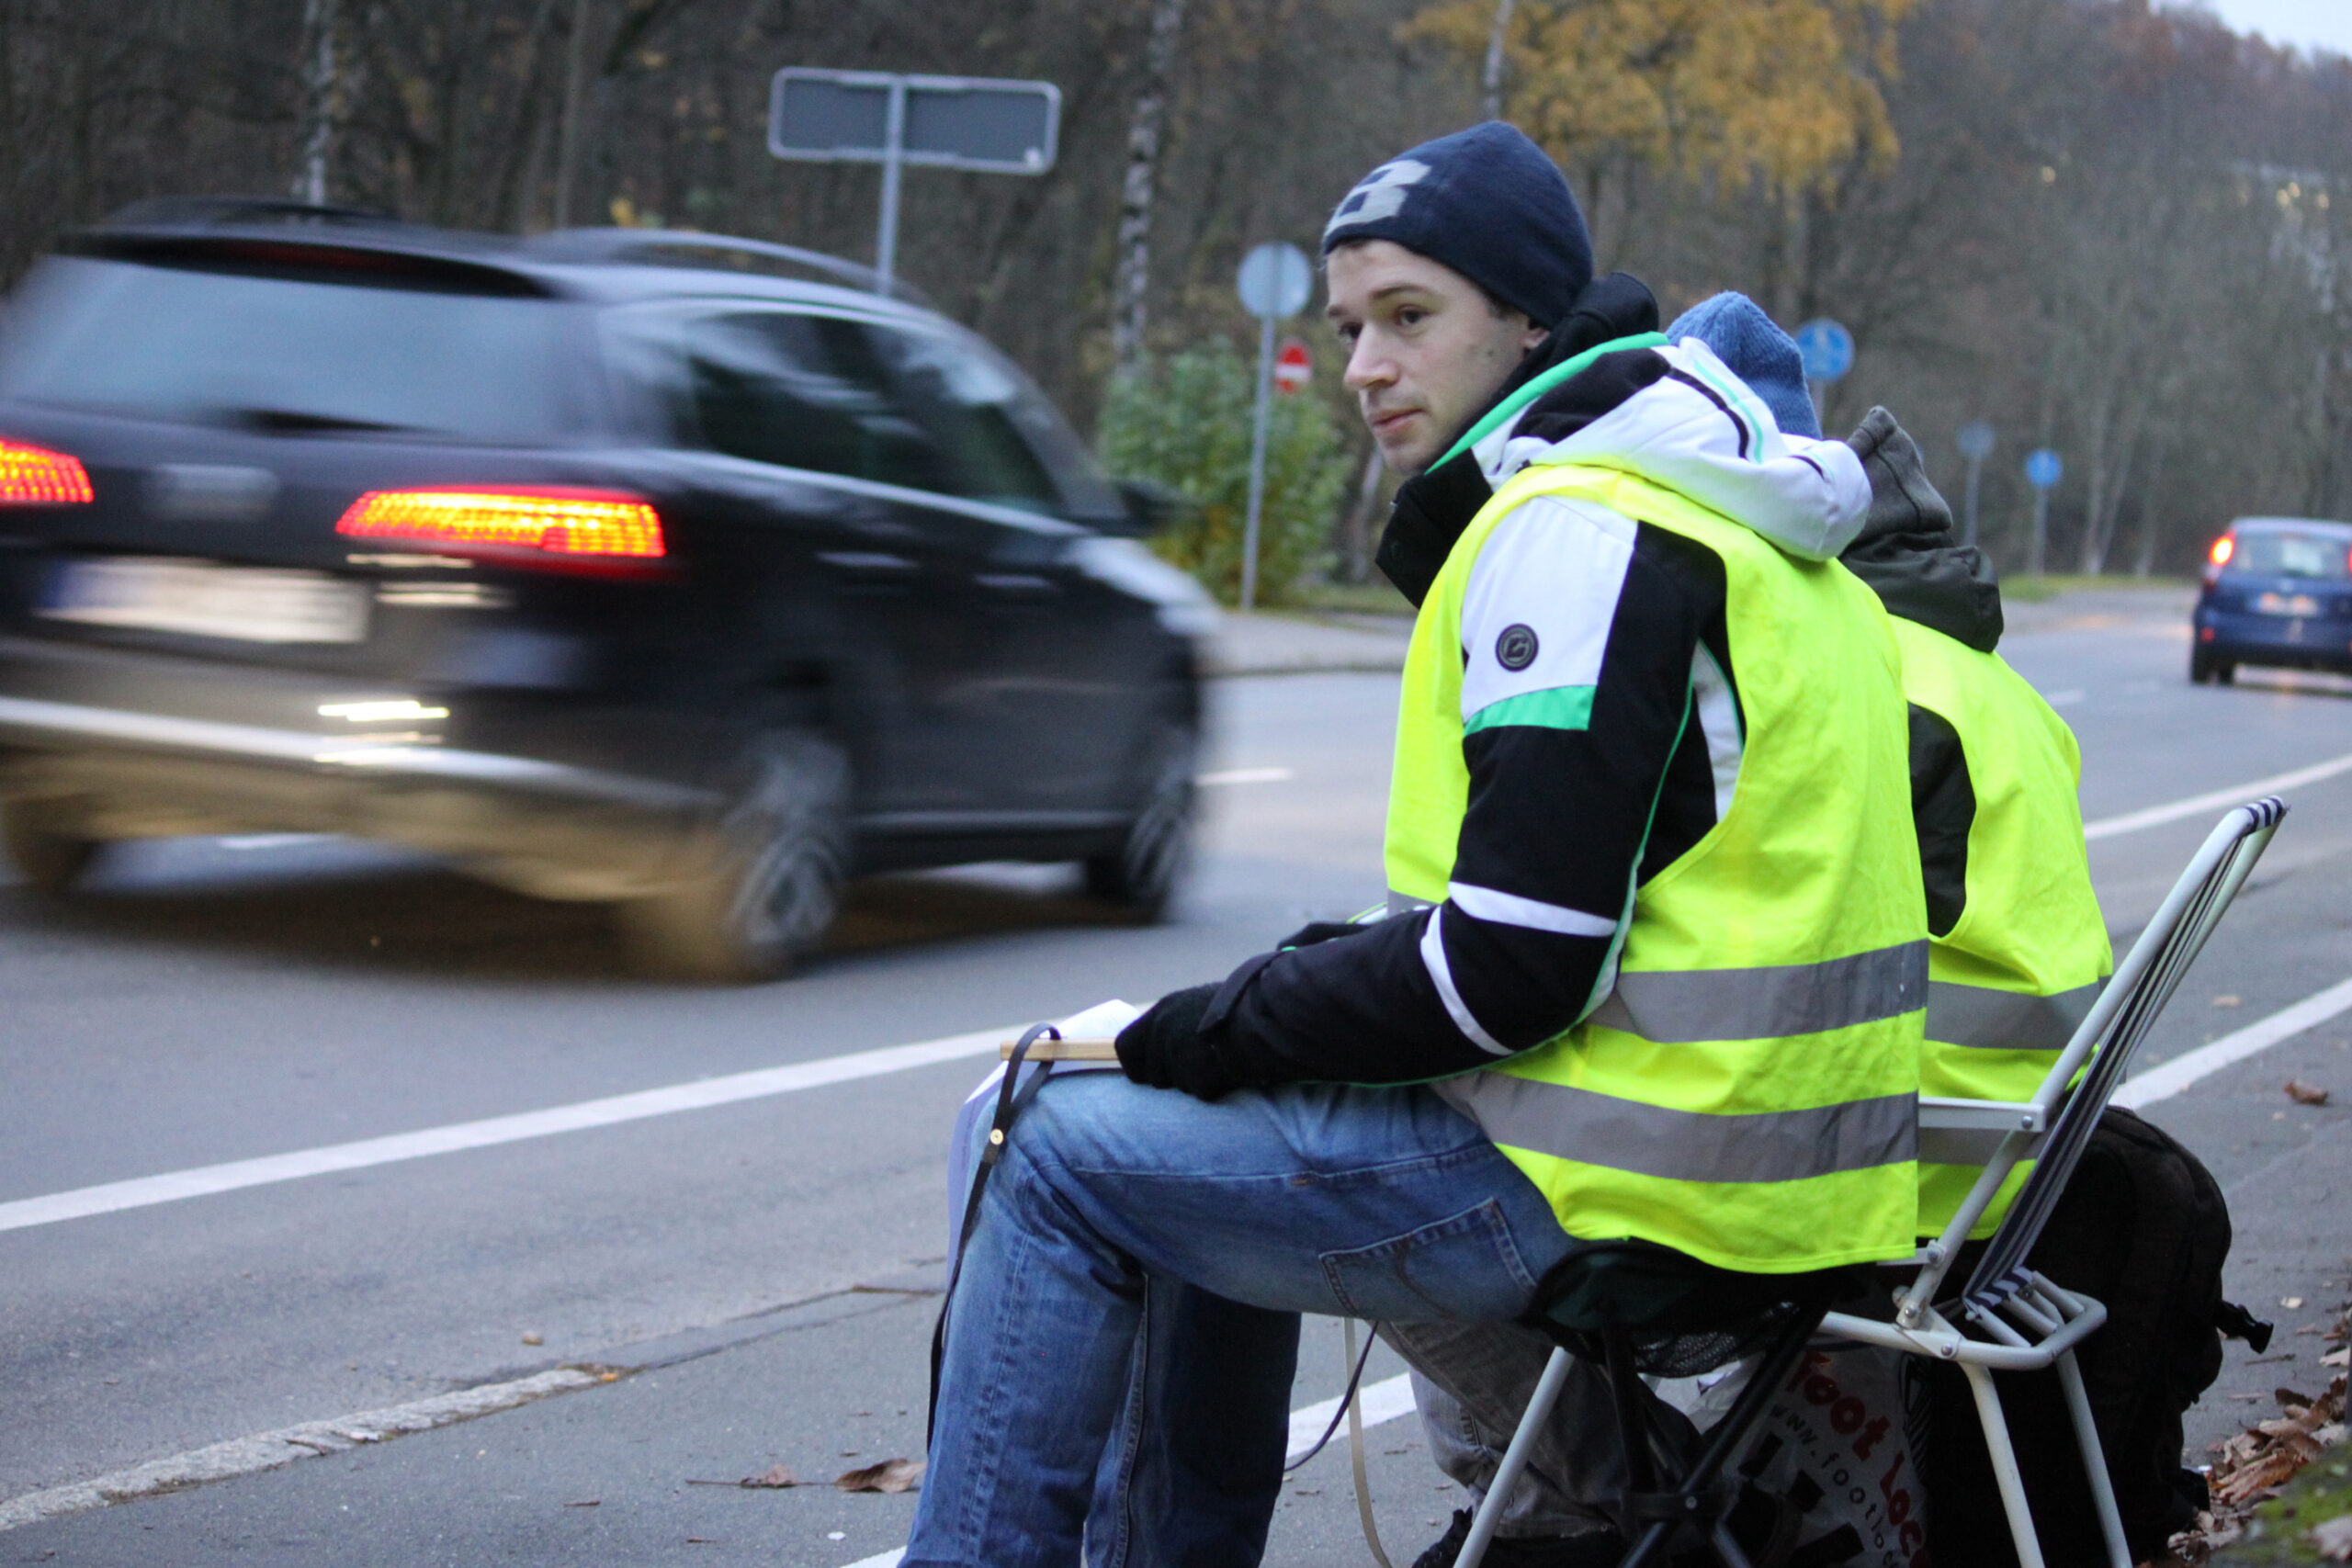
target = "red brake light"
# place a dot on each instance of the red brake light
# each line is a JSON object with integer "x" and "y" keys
{"x": 2224, "y": 547}
{"x": 562, "y": 522}
{"x": 34, "y": 476}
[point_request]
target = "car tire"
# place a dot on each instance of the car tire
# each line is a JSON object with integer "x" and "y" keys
{"x": 49, "y": 856}
{"x": 781, "y": 845}
{"x": 1142, "y": 874}
{"x": 2225, "y": 672}
{"x": 2200, "y": 669}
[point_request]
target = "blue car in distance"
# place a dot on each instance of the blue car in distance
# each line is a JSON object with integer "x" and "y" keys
{"x": 2278, "y": 591}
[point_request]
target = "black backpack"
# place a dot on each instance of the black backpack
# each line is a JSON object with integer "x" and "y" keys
{"x": 2142, "y": 1227}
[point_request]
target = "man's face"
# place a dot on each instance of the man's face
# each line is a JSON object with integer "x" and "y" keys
{"x": 1425, "y": 351}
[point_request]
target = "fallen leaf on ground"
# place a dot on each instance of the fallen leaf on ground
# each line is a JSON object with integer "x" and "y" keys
{"x": 2303, "y": 1093}
{"x": 2291, "y": 1302}
{"x": 775, "y": 1475}
{"x": 531, "y": 1336}
{"x": 2334, "y": 1539}
{"x": 587, "y": 1503}
{"x": 890, "y": 1475}
{"x": 2336, "y": 1359}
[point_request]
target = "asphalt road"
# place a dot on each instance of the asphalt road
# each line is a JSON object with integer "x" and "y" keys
{"x": 753, "y": 1271}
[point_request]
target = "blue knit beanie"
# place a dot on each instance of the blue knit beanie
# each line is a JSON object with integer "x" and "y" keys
{"x": 1756, "y": 351}
{"x": 1486, "y": 202}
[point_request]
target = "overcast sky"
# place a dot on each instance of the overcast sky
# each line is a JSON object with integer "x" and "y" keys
{"x": 2325, "y": 24}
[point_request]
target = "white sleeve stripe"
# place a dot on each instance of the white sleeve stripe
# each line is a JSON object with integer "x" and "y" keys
{"x": 1433, "y": 956}
{"x": 1510, "y": 909}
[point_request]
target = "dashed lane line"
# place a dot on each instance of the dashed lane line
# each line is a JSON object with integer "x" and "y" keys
{"x": 141, "y": 1192}
{"x": 2215, "y": 800}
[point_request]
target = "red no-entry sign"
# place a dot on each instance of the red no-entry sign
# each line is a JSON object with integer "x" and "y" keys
{"x": 1294, "y": 367}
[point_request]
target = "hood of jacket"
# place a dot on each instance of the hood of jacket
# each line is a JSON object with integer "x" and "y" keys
{"x": 1906, "y": 551}
{"x": 1599, "y": 395}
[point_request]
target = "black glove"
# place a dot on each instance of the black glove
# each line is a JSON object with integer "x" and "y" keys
{"x": 1166, "y": 1049}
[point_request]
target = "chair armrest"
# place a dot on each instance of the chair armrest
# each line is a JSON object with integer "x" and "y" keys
{"x": 1966, "y": 1132}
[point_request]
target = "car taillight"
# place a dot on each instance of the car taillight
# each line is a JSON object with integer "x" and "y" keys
{"x": 2223, "y": 549}
{"x": 560, "y": 522}
{"x": 34, "y": 476}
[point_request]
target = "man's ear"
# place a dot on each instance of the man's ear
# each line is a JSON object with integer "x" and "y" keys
{"x": 1531, "y": 335}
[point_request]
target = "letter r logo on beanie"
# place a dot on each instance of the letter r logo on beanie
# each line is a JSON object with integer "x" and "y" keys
{"x": 1380, "y": 194}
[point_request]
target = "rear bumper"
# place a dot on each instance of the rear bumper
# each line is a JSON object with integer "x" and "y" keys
{"x": 2305, "y": 642}
{"x": 119, "y": 746}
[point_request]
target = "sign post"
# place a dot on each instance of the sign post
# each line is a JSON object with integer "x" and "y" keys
{"x": 938, "y": 122}
{"x": 2044, "y": 469}
{"x": 1274, "y": 282}
{"x": 1829, "y": 352}
{"x": 1975, "y": 441}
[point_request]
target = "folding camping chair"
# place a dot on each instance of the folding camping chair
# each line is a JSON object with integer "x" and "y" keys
{"x": 2025, "y": 1322}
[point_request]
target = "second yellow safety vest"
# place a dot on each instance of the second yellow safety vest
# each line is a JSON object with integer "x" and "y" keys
{"x": 2008, "y": 985}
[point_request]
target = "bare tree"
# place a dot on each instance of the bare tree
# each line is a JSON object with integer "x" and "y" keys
{"x": 1144, "y": 125}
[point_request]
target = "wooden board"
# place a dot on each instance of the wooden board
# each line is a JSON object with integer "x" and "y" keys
{"x": 1066, "y": 1051}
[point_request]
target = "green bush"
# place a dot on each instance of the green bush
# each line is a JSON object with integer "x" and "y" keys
{"x": 1184, "y": 425}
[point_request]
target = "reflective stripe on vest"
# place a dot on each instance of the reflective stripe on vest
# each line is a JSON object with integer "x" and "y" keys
{"x": 1690, "y": 1145}
{"x": 1679, "y": 1006}
{"x": 1980, "y": 1018}
{"x": 1745, "y": 1089}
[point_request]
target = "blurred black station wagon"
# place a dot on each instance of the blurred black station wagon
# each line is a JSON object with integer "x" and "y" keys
{"x": 609, "y": 564}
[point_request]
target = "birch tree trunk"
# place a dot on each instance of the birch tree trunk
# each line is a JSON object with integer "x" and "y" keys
{"x": 319, "y": 44}
{"x": 1131, "y": 294}
{"x": 1498, "y": 44}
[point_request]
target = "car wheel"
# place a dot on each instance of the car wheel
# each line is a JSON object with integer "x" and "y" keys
{"x": 782, "y": 850}
{"x": 2225, "y": 672}
{"x": 1142, "y": 874}
{"x": 2200, "y": 669}
{"x": 46, "y": 853}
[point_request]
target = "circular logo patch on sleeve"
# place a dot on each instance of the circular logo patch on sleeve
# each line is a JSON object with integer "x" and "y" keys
{"x": 1515, "y": 650}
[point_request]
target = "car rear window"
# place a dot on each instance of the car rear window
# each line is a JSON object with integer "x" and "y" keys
{"x": 2285, "y": 552}
{"x": 291, "y": 354}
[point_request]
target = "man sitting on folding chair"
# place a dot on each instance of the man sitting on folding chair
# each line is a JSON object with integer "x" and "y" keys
{"x": 1657, "y": 921}
{"x": 2018, "y": 950}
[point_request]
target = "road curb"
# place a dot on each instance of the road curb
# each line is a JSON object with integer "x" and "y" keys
{"x": 273, "y": 1450}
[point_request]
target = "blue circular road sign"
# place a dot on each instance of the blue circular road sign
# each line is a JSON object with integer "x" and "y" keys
{"x": 1275, "y": 280}
{"x": 2044, "y": 468}
{"x": 1827, "y": 347}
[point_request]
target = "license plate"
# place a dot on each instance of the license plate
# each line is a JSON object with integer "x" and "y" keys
{"x": 2287, "y": 604}
{"x": 246, "y": 603}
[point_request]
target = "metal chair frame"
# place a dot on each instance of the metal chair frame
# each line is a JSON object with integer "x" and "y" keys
{"x": 2020, "y": 1321}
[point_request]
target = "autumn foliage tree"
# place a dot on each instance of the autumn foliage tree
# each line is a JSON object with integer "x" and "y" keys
{"x": 1780, "y": 95}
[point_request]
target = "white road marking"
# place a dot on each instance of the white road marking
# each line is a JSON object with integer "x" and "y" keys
{"x": 2215, "y": 800}
{"x": 1383, "y": 1401}
{"x": 1244, "y": 776}
{"x": 2168, "y": 1078}
{"x": 269, "y": 1450}
{"x": 248, "y": 841}
{"x": 142, "y": 1191}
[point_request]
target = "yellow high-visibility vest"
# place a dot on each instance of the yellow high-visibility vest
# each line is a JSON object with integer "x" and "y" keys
{"x": 1747, "y": 1091}
{"x": 2008, "y": 985}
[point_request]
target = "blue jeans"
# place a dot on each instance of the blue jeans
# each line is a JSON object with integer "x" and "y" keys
{"x": 1124, "y": 1331}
